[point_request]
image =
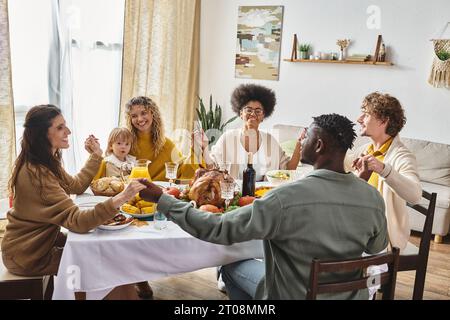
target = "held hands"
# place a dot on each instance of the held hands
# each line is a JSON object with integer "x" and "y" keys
{"x": 93, "y": 146}
{"x": 366, "y": 164}
{"x": 151, "y": 193}
{"x": 302, "y": 135}
{"x": 373, "y": 164}
{"x": 130, "y": 191}
{"x": 133, "y": 187}
{"x": 361, "y": 167}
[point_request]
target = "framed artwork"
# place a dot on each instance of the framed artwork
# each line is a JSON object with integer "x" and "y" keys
{"x": 258, "y": 42}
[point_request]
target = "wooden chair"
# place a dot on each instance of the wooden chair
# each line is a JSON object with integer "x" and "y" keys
{"x": 413, "y": 258}
{"x": 14, "y": 287}
{"x": 386, "y": 279}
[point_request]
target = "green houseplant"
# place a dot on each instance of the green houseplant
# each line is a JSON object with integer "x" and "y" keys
{"x": 304, "y": 48}
{"x": 211, "y": 120}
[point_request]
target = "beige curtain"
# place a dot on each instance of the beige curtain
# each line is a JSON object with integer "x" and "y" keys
{"x": 7, "y": 128}
{"x": 161, "y": 58}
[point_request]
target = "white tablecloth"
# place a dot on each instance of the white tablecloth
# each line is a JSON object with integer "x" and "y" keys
{"x": 97, "y": 262}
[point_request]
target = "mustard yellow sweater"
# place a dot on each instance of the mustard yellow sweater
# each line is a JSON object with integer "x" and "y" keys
{"x": 34, "y": 222}
{"x": 157, "y": 168}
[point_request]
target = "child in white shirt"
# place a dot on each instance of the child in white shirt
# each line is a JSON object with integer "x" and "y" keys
{"x": 117, "y": 157}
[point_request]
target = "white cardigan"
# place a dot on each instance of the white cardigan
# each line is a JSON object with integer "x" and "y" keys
{"x": 269, "y": 156}
{"x": 399, "y": 183}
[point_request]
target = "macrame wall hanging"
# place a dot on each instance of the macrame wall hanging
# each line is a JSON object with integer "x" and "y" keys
{"x": 440, "y": 70}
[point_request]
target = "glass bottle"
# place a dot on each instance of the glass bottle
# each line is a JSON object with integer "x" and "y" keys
{"x": 249, "y": 178}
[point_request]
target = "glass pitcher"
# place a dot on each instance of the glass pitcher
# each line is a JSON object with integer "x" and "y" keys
{"x": 140, "y": 170}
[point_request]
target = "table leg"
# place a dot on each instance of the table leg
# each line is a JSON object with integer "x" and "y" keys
{"x": 80, "y": 295}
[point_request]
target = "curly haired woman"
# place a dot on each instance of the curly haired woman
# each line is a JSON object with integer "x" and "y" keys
{"x": 252, "y": 103}
{"x": 145, "y": 122}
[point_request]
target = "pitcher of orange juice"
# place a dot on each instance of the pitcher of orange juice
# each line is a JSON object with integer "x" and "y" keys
{"x": 140, "y": 170}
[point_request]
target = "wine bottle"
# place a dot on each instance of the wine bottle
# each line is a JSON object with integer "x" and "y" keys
{"x": 249, "y": 178}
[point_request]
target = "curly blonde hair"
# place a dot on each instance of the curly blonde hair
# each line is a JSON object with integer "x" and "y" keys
{"x": 385, "y": 107}
{"x": 157, "y": 129}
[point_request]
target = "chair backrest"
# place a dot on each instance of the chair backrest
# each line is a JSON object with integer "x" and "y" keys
{"x": 386, "y": 279}
{"x": 419, "y": 261}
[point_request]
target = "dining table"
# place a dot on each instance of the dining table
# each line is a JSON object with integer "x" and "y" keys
{"x": 94, "y": 263}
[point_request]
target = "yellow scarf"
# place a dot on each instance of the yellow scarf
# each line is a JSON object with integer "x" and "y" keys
{"x": 379, "y": 155}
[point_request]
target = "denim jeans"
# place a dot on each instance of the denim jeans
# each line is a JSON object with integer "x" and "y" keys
{"x": 241, "y": 278}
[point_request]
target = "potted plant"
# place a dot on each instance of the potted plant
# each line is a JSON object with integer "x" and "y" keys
{"x": 304, "y": 49}
{"x": 211, "y": 121}
{"x": 343, "y": 44}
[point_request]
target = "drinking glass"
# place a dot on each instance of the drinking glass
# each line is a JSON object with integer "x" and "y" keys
{"x": 224, "y": 166}
{"x": 227, "y": 191}
{"x": 171, "y": 171}
{"x": 160, "y": 221}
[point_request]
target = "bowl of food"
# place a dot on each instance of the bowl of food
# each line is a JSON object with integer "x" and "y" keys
{"x": 277, "y": 177}
{"x": 120, "y": 221}
{"x": 108, "y": 186}
{"x": 139, "y": 208}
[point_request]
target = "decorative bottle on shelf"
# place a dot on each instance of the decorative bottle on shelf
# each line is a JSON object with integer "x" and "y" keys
{"x": 382, "y": 53}
{"x": 249, "y": 178}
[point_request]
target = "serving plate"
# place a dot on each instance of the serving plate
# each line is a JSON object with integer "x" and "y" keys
{"x": 117, "y": 227}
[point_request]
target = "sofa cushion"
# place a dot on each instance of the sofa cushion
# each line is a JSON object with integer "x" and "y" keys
{"x": 443, "y": 194}
{"x": 433, "y": 160}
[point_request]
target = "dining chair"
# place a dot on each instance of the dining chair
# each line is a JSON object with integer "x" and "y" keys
{"x": 386, "y": 279}
{"x": 13, "y": 287}
{"x": 413, "y": 258}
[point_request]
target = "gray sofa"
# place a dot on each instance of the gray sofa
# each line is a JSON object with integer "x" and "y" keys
{"x": 433, "y": 161}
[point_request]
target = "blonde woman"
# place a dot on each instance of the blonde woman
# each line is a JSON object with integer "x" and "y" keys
{"x": 145, "y": 122}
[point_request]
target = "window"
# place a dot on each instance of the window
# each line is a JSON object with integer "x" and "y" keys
{"x": 69, "y": 53}
{"x": 30, "y": 23}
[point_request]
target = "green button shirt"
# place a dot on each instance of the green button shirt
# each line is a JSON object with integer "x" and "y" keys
{"x": 326, "y": 215}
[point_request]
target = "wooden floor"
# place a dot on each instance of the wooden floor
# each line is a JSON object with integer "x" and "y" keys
{"x": 202, "y": 284}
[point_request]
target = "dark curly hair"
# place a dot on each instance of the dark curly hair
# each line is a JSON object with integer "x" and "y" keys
{"x": 385, "y": 107}
{"x": 245, "y": 93}
{"x": 339, "y": 129}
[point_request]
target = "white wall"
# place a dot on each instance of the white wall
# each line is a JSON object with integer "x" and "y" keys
{"x": 305, "y": 90}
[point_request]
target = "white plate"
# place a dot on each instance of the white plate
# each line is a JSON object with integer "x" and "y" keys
{"x": 88, "y": 202}
{"x": 120, "y": 226}
{"x": 138, "y": 215}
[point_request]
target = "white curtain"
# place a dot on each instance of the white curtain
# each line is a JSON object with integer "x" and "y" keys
{"x": 7, "y": 134}
{"x": 161, "y": 58}
{"x": 87, "y": 62}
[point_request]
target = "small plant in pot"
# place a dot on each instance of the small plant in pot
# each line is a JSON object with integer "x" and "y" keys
{"x": 304, "y": 49}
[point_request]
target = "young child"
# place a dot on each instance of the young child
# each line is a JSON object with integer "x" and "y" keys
{"x": 117, "y": 158}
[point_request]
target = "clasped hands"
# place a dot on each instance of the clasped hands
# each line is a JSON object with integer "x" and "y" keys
{"x": 366, "y": 164}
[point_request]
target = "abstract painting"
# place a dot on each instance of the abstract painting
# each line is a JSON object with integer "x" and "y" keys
{"x": 258, "y": 42}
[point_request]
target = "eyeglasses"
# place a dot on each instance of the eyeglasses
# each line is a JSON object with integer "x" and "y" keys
{"x": 258, "y": 112}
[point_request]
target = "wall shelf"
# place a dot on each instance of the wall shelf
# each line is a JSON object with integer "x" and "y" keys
{"x": 386, "y": 63}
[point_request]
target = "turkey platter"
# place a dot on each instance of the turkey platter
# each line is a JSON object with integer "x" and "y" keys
{"x": 205, "y": 187}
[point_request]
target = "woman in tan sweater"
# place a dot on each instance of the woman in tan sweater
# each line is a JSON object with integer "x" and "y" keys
{"x": 33, "y": 243}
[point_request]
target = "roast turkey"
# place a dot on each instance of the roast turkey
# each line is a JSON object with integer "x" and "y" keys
{"x": 205, "y": 187}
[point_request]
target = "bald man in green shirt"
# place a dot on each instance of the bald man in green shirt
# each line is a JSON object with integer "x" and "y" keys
{"x": 330, "y": 214}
